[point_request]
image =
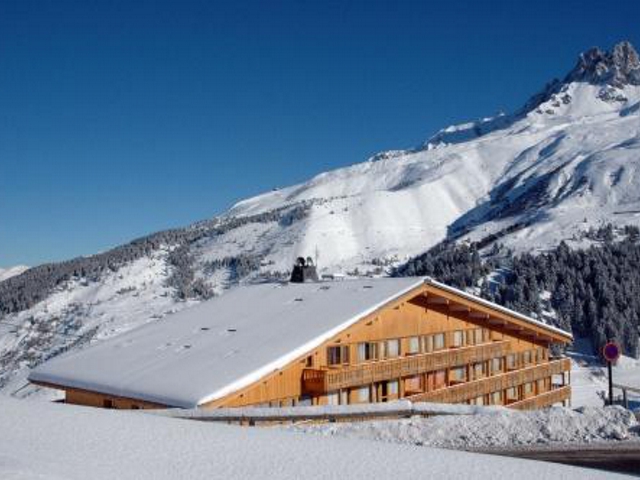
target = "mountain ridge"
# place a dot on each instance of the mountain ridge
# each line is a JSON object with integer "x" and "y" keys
{"x": 567, "y": 162}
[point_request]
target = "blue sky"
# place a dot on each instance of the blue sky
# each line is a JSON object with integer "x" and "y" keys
{"x": 120, "y": 118}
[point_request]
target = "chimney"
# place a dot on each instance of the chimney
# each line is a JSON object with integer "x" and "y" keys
{"x": 304, "y": 271}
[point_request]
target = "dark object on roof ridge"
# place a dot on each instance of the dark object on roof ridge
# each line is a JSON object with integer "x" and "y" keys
{"x": 304, "y": 271}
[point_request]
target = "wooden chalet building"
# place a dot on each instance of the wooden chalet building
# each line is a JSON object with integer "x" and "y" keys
{"x": 335, "y": 342}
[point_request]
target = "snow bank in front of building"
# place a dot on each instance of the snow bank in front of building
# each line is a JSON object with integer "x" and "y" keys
{"x": 47, "y": 441}
{"x": 399, "y": 408}
{"x": 503, "y": 428}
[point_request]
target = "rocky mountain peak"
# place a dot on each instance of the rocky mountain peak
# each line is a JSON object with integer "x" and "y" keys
{"x": 611, "y": 71}
{"x": 619, "y": 67}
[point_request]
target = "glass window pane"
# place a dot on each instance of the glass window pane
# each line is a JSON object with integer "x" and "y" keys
{"x": 428, "y": 343}
{"x": 393, "y": 348}
{"x": 414, "y": 345}
{"x": 362, "y": 352}
{"x": 363, "y": 394}
{"x": 392, "y": 387}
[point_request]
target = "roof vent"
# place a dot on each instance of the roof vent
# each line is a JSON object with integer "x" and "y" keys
{"x": 304, "y": 271}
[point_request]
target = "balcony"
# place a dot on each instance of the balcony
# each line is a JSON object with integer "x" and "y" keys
{"x": 317, "y": 382}
{"x": 469, "y": 390}
{"x": 545, "y": 399}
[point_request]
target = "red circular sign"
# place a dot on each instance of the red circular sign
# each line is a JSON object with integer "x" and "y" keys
{"x": 611, "y": 352}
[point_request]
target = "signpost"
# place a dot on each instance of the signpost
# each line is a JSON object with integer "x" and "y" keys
{"x": 611, "y": 353}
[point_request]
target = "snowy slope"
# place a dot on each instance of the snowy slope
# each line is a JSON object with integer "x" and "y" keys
{"x": 47, "y": 441}
{"x": 555, "y": 171}
{"x": 567, "y": 161}
{"x": 6, "y": 273}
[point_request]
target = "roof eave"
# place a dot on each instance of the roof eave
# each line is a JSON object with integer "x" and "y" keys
{"x": 554, "y": 332}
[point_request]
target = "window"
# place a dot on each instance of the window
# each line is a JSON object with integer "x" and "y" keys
{"x": 469, "y": 335}
{"x": 557, "y": 380}
{"x": 496, "y": 365}
{"x": 480, "y": 400}
{"x": 392, "y": 387}
{"x": 458, "y": 338}
{"x": 439, "y": 379}
{"x": 333, "y": 398}
{"x": 338, "y": 355}
{"x": 438, "y": 341}
{"x": 393, "y": 348}
{"x": 364, "y": 394}
{"x": 478, "y": 370}
{"x": 458, "y": 374}
{"x": 511, "y": 361}
{"x": 526, "y": 357}
{"x": 512, "y": 393}
{"x": 413, "y": 384}
{"x": 528, "y": 388}
{"x": 367, "y": 351}
{"x": 496, "y": 398}
{"x": 478, "y": 337}
{"x": 344, "y": 397}
{"x": 428, "y": 343}
{"x": 414, "y": 345}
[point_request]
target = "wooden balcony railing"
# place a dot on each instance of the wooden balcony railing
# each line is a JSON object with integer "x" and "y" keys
{"x": 545, "y": 399}
{"x": 469, "y": 390}
{"x": 316, "y": 381}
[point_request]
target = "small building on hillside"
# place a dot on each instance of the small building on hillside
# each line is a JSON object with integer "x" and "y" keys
{"x": 318, "y": 343}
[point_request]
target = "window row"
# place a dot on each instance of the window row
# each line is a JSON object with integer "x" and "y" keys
{"x": 390, "y": 390}
{"x": 395, "y": 347}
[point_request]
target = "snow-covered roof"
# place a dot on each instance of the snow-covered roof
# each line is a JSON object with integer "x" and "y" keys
{"x": 222, "y": 345}
{"x": 219, "y": 346}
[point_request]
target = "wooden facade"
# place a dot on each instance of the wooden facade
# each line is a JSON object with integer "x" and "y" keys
{"x": 431, "y": 344}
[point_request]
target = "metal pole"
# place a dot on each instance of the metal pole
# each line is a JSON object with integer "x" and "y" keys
{"x": 610, "y": 370}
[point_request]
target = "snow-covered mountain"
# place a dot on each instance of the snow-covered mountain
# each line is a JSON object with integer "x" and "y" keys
{"x": 9, "y": 272}
{"x": 567, "y": 161}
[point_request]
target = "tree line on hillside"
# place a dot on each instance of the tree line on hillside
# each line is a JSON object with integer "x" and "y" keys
{"x": 34, "y": 285}
{"x": 594, "y": 291}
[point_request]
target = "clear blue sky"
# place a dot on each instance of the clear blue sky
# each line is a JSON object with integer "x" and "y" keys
{"x": 120, "y": 118}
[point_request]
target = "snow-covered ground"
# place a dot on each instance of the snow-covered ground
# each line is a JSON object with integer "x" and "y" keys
{"x": 52, "y": 442}
{"x": 589, "y": 380}
{"x": 493, "y": 428}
